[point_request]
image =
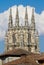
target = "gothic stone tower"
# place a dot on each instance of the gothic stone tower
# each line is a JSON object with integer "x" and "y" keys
{"x": 25, "y": 37}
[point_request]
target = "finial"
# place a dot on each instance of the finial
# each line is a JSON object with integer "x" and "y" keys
{"x": 26, "y": 16}
{"x": 33, "y": 12}
{"x": 26, "y": 9}
{"x": 10, "y": 12}
{"x": 17, "y": 12}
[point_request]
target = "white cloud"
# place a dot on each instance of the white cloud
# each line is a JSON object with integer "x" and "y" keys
{"x": 39, "y": 19}
{"x": 4, "y": 19}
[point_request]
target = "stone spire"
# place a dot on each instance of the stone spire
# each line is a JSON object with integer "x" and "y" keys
{"x": 33, "y": 43}
{"x": 17, "y": 18}
{"x": 33, "y": 20}
{"x": 26, "y": 18}
{"x": 10, "y": 19}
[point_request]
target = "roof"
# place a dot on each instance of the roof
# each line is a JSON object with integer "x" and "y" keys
{"x": 15, "y": 53}
{"x": 27, "y": 59}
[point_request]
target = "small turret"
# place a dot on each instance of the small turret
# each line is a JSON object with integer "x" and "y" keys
{"x": 37, "y": 41}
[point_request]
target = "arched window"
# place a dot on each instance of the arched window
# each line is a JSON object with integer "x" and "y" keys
{"x": 14, "y": 38}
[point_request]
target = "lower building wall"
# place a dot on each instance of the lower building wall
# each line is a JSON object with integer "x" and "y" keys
{"x": 0, "y": 62}
{"x": 9, "y": 59}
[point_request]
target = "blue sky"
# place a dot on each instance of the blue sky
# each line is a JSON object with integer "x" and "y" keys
{"x": 37, "y": 4}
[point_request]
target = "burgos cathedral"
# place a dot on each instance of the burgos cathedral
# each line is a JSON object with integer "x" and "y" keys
{"x": 25, "y": 37}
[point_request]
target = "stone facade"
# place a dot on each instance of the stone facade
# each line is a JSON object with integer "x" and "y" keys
{"x": 25, "y": 37}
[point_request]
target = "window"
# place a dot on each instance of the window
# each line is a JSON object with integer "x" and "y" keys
{"x": 14, "y": 38}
